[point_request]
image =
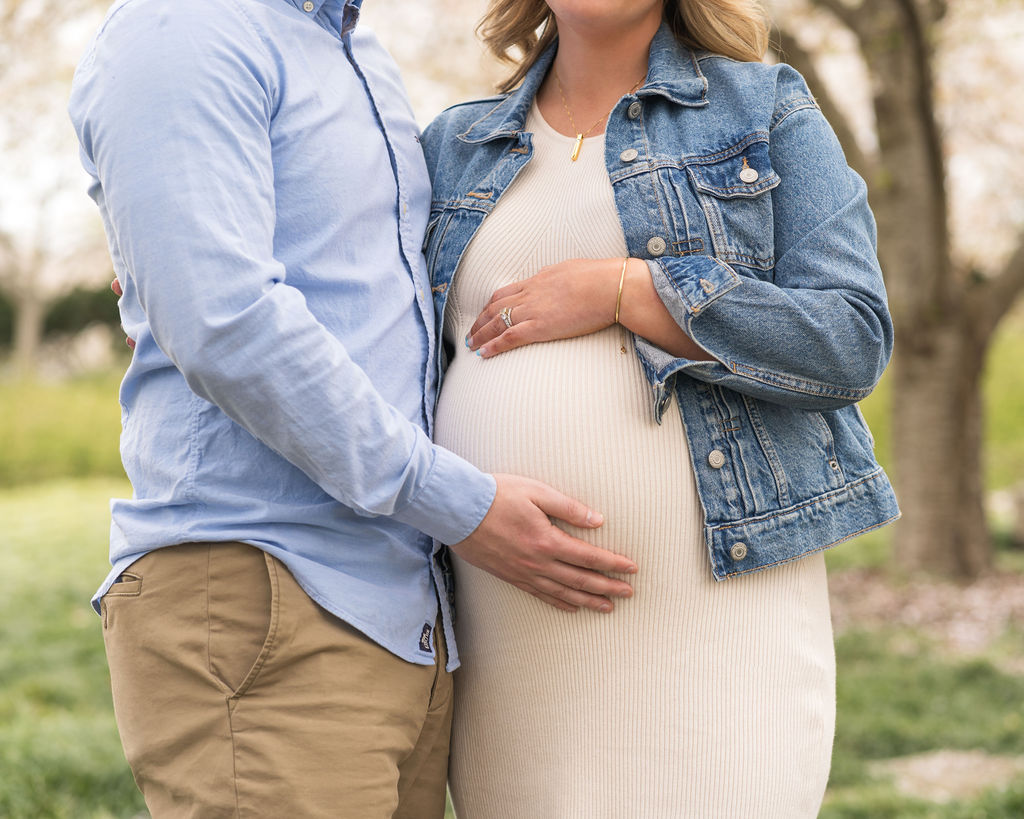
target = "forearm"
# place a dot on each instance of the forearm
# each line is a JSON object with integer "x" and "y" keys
{"x": 575, "y": 298}
{"x": 642, "y": 311}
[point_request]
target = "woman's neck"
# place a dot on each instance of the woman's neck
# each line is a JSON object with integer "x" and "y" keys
{"x": 594, "y": 67}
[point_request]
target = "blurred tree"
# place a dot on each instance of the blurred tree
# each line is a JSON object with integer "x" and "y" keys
{"x": 945, "y": 304}
{"x": 79, "y": 308}
{"x": 433, "y": 43}
{"x": 49, "y": 235}
{"x": 6, "y": 321}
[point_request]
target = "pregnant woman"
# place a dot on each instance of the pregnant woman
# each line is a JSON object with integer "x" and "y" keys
{"x": 660, "y": 294}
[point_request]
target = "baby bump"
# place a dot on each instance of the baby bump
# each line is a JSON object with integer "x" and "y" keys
{"x": 576, "y": 414}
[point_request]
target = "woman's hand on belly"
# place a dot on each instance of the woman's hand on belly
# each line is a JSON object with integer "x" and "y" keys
{"x": 517, "y": 543}
{"x": 576, "y": 298}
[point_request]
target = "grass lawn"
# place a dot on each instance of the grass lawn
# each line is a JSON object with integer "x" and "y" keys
{"x": 898, "y": 695}
{"x": 56, "y": 430}
{"x": 59, "y": 750}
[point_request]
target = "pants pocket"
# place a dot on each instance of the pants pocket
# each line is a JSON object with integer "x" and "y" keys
{"x": 242, "y": 605}
{"x": 128, "y": 584}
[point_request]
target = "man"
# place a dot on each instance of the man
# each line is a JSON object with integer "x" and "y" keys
{"x": 270, "y": 616}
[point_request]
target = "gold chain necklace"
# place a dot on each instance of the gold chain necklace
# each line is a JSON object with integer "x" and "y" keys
{"x": 581, "y": 135}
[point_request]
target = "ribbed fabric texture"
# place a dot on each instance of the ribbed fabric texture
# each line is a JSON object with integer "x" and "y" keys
{"x": 693, "y": 699}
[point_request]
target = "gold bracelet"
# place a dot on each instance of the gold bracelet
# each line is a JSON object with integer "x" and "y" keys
{"x": 622, "y": 280}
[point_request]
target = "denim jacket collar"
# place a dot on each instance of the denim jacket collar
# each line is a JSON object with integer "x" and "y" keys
{"x": 673, "y": 72}
{"x": 664, "y": 78}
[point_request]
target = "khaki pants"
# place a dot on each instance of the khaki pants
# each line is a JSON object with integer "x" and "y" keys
{"x": 237, "y": 696}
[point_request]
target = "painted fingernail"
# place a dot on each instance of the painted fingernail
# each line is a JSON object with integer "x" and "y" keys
{"x": 467, "y": 340}
{"x": 482, "y": 351}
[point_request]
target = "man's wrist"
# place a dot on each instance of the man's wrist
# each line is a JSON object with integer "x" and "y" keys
{"x": 453, "y": 500}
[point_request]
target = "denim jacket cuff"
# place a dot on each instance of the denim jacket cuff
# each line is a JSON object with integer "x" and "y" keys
{"x": 689, "y": 284}
{"x": 659, "y": 367}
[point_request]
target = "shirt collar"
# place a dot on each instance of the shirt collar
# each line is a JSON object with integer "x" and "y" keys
{"x": 673, "y": 72}
{"x": 346, "y": 11}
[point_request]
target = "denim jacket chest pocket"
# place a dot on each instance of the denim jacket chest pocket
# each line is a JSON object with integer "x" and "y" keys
{"x": 733, "y": 188}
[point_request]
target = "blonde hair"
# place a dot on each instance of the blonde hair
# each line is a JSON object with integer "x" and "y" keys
{"x": 518, "y": 31}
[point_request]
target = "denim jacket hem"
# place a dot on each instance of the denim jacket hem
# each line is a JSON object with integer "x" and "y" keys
{"x": 780, "y": 537}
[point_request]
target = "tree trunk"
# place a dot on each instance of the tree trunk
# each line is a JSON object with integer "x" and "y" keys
{"x": 937, "y": 452}
{"x": 942, "y": 329}
{"x": 1017, "y": 498}
{"x": 29, "y": 313}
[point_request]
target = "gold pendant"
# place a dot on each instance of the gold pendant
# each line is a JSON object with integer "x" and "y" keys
{"x": 576, "y": 147}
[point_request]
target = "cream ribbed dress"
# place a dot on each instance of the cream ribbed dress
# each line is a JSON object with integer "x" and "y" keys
{"x": 694, "y": 698}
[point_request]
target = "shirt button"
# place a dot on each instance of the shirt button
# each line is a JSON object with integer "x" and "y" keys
{"x": 634, "y": 110}
{"x": 738, "y": 551}
{"x": 629, "y": 154}
{"x": 656, "y": 246}
{"x": 716, "y": 459}
{"x": 307, "y": 6}
{"x": 707, "y": 286}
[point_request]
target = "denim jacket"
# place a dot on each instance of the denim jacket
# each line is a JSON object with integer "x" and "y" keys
{"x": 733, "y": 187}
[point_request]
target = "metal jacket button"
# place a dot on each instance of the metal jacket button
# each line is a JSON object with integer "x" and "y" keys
{"x": 748, "y": 174}
{"x": 307, "y": 6}
{"x": 716, "y": 459}
{"x": 656, "y": 246}
{"x": 635, "y": 107}
{"x": 629, "y": 154}
{"x": 738, "y": 551}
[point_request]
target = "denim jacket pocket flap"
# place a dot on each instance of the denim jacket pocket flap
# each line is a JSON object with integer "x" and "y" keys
{"x": 743, "y": 171}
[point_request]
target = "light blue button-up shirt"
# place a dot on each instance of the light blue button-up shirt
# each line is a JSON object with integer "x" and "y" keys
{"x": 260, "y": 179}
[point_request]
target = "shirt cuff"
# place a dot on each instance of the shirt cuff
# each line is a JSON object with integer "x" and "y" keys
{"x": 452, "y": 502}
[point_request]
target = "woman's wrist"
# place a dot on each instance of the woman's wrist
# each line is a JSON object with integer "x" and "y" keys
{"x": 635, "y": 280}
{"x": 642, "y": 312}
{"x": 618, "y": 296}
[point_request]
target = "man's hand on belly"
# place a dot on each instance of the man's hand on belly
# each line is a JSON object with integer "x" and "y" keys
{"x": 517, "y": 543}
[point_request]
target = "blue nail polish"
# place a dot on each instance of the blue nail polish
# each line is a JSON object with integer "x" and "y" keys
{"x": 467, "y": 340}
{"x": 478, "y": 352}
